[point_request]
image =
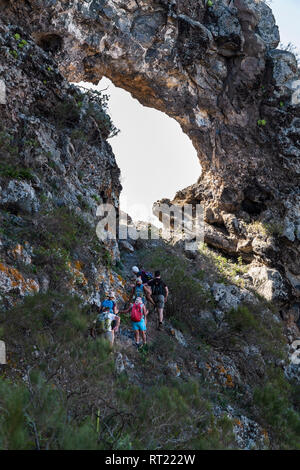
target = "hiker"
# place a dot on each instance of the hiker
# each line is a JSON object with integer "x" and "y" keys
{"x": 146, "y": 276}
{"x": 138, "y": 316}
{"x": 110, "y": 302}
{"x": 107, "y": 324}
{"x": 142, "y": 291}
{"x": 159, "y": 294}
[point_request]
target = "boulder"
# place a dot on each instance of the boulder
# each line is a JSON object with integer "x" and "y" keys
{"x": 125, "y": 245}
{"x": 230, "y": 296}
{"x": 179, "y": 336}
{"x": 268, "y": 283}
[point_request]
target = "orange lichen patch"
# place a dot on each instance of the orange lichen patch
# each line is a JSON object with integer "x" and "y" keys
{"x": 208, "y": 366}
{"x": 121, "y": 279}
{"x": 33, "y": 285}
{"x": 265, "y": 434}
{"x": 17, "y": 251}
{"x": 222, "y": 370}
{"x": 111, "y": 279}
{"x": 14, "y": 279}
{"x": 238, "y": 423}
{"x": 77, "y": 275}
{"x": 125, "y": 297}
{"x": 229, "y": 381}
{"x": 78, "y": 265}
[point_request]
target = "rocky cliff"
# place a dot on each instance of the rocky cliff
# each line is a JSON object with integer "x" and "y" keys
{"x": 216, "y": 70}
{"x": 214, "y": 67}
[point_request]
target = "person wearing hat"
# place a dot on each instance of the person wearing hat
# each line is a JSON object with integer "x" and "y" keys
{"x": 109, "y": 302}
{"x": 106, "y": 325}
{"x": 107, "y": 322}
{"x": 135, "y": 270}
{"x": 140, "y": 272}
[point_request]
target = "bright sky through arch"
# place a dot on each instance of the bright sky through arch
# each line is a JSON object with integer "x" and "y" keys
{"x": 155, "y": 157}
{"x": 287, "y": 15}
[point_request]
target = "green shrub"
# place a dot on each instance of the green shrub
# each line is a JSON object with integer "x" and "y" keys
{"x": 226, "y": 269}
{"x": 63, "y": 228}
{"x": 22, "y": 43}
{"x": 9, "y": 171}
{"x": 255, "y": 324}
{"x": 66, "y": 114}
{"x": 276, "y": 411}
{"x": 6, "y": 144}
{"x": 97, "y": 108}
{"x": 36, "y": 417}
{"x": 242, "y": 320}
{"x": 14, "y": 53}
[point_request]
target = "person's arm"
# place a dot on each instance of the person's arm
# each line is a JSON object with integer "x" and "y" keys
{"x": 148, "y": 293}
{"x": 166, "y": 293}
{"x": 115, "y": 310}
{"x": 118, "y": 320}
{"x": 125, "y": 310}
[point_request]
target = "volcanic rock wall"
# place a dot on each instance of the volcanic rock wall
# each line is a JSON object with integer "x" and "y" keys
{"x": 216, "y": 70}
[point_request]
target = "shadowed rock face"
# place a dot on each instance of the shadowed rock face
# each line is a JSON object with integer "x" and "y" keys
{"x": 217, "y": 72}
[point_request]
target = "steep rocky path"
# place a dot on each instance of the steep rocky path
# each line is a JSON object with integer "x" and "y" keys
{"x": 198, "y": 349}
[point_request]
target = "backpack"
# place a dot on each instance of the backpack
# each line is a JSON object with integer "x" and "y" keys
{"x": 103, "y": 323}
{"x": 137, "y": 312}
{"x": 146, "y": 276}
{"x": 108, "y": 303}
{"x": 157, "y": 287}
{"x": 139, "y": 291}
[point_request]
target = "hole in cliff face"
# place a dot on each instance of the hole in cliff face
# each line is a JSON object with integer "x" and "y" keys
{"x": 254, "y": 201}
{"x": 155, "y": 157}
{"x": 49, "y": 42}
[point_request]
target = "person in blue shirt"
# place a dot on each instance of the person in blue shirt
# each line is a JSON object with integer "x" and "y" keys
{"x": 109, "y": 302}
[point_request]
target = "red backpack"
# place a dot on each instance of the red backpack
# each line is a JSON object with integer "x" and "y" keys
{"x": 137, "y": 312}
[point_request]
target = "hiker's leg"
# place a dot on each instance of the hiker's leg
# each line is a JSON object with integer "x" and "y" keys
{"x": 160, "y": 314}
{"x": 160, "y": 307}
{"x": 146, "y": 316}
{"x": 137, "y": 336}
{"x": 109, "y": 336}
{"x": 143, "y": 329}
{"x": 144, "y": 337}
{"x": 112, "y": 337}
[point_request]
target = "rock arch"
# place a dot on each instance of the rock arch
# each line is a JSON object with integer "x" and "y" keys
{"x": 217, "y": 71}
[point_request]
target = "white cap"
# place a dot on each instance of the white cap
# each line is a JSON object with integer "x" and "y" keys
{"x": 135, "y": 269}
